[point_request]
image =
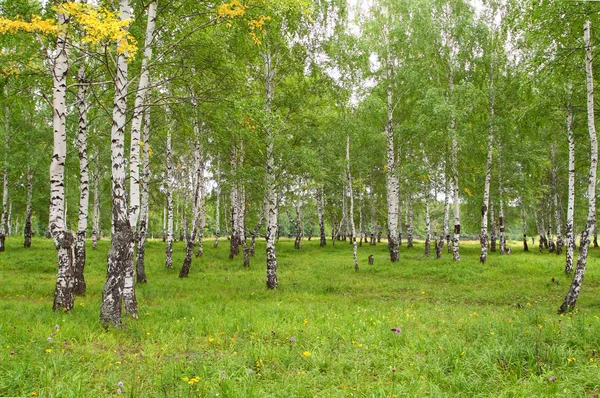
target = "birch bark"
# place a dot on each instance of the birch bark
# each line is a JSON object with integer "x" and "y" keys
{"x": 84, "y": 183}
{"x": 140, "y": 265}
{"x": 218, "y": 205}
{"x": 63, "y": 240}
{"x": 27, "y": 233}
{"x": 96, "y": 213}
{"x": 571, "y": 298}
{"x": 4, "y": 217}
{"x": 169, "y": 212}
{"x": 483, "y": 237}
{"x": 392, "y": 187}
{"x": 321, "y": 211}
{"x": 351, "y": 215}
{"x": 571, "y": 195}
{"x": 122, "y": 239}
{"x": 198, "y": 180}
{"x": 271, "y": 195}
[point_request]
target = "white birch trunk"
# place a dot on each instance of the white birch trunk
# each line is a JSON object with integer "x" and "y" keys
{"x": 136, "y": 121}
{"x": 4, "y": 217}
{"x": 63, "y": 240}
{"x": 84, "y": 183}
{"x": 271, "y": 194}
{"x": 391, "y": 175}
{"x": 321, "y": 212}
{"x": 27, "y": 232}
{"x": 140, "y": 265}
{"x": 351, "y": 215}
{"x": 524, "y": 225}
{"x": 218, "y": 205}
{"x": 570, "y": 235}
{"x": 559, "y": 239}
{"x": 169, "y": 212}
{"x": 119, "y": 276}
{"x": 202, "y": 191}
{"x": 427, "y": 251}
{"x": 454, "y": 172}
{"x": 483, "y": 236}
{"x": 571, "y": 298}
{"x": 196, "y": 195}
{"x": 9, "y": 221}
{"x": 235, "y": 241}
{"x": 96, "y": 213}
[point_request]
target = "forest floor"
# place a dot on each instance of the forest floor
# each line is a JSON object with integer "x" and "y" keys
{"x": 464, "y": 329}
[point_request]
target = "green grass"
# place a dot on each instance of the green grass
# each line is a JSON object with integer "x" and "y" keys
{"x": 467, "y": 329}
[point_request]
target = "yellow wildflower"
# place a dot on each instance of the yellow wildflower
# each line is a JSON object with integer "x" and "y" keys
{"x": 307, "y": 354}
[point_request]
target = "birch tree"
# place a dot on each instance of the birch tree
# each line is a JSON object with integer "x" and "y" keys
{"x": 571, "y": 298}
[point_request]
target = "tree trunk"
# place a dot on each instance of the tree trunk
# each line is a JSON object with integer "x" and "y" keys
{"x": 454, "y": 173}
{"x": 427, "y": 229}
{"x": 235, "y": 241}
{"x": 164, "y": 236}
{"x": 298, "y": 228}
{"x": 63, "y": 240}
{"x": 169, "y": 192}
{"x": 427, "y": 215}
{"x": 4, "y": 217}
{"x": 501, "y": 202}
{"x": 9, "y": 223}
{"x": 571, "y": 298}
{"x": 271, "y": 195}
{"x": 196, "y": 204}
{"x": 96, "y": 214}
{"x": 134, "y": 154}
{"x": 493, "y": 235}
{"x": 524, "y": 225}
{"x": 140, "y": 265}
{"x": 218, "y": 205}
{"x": 446, "y": 232}
{"x": 202, "y": 210}
{"x": 409, "y": 225}
{"x": 84, "y": 184}
{"x": 27, "y": 233}
{"x": 117, "y": 280}
{"x": 392, "y": 187}
{"x": 483, "y": 237}
{"x": 351, "y": 192}
{"x": 321, "y": 211}
{"x": 571, "y": 195}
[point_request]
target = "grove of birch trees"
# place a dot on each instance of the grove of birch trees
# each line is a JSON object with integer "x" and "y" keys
{"x": 353, "y": 123}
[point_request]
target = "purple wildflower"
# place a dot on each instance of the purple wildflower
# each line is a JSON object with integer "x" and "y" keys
{"x": 292, "y": 340}
{"x": 49, "y": 339}
{"x": 397, "y": 330}
{"x": 55, "y": 327}
{"x": 120, "y": 384}
{"x": 223, "y": 377}
{"x": 552, "y": 378}
{"x": 118, "y": 391}
{"x": 250, "y": 371}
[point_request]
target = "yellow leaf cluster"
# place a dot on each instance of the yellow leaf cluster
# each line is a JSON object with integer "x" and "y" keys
{"x": 98, "y": 24}
{"x": 232, "y": 9}
{"x": 10, "y": 70}
{"x": 255, "y": 25}
{"x": 37, "y": 25}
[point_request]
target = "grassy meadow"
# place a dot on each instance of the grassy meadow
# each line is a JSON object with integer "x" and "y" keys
{"x": 465, "y": 329}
